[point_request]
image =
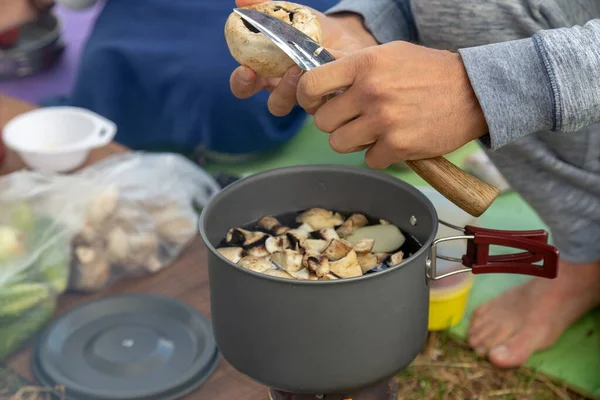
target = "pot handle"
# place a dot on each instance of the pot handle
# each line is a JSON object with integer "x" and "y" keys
{"x": 478, "y": 260}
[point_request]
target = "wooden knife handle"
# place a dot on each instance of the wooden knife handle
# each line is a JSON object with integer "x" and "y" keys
{"x": 462, "y": 189}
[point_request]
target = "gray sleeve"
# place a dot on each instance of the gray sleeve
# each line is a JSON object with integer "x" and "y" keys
{"x": 387, "y": 20}
{"x": 547, "y": 82}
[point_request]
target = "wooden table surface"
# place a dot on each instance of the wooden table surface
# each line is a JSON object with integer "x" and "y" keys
{"x": 185, "y": 280}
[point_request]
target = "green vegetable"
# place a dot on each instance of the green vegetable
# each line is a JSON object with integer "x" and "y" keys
{"x": 19, "y": 330}
{"x": 12, "y": 243}
{"x": 22, "y": 217}
{"x": 18, "y": 298}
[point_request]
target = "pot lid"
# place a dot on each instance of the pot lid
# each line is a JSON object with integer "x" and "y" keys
{"x": 127, "y": 347}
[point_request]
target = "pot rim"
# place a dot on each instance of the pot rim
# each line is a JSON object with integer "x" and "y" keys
{"x": 426, "y": 246}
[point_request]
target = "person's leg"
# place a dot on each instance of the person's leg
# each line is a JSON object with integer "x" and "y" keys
{"x": 558, "y": 174}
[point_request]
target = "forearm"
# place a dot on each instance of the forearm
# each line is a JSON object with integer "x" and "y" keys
{"x": 547, "y": 82}
{"x": 382, "y": 20}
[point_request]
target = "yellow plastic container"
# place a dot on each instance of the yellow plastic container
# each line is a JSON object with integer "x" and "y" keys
{"x": 447, "y": 305}
{"x": 449, "y": 296}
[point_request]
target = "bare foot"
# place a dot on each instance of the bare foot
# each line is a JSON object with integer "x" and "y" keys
{"x": 532, "y": 316}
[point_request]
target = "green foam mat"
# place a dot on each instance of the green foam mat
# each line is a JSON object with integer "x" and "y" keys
{"x": 573, "y": 360}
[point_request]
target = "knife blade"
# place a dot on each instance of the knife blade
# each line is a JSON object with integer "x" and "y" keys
{"x": 303, "y": 50}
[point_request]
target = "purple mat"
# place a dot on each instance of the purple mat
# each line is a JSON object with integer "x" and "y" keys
{"x": 76, "y": 26}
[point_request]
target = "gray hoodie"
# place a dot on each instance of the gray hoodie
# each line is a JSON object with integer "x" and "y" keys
{"x": 549, "y": 81}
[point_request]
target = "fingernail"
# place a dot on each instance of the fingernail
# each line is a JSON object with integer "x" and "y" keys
{"x": 500, "y": 352}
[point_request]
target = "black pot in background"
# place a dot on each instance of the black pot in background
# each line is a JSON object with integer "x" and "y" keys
{"x": 318, "y": 337}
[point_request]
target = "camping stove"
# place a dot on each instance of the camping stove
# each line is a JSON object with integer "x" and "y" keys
{"x": 387, "y": 390}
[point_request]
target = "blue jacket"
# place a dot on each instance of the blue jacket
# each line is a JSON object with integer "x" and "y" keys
{"x": 160, "y": 69}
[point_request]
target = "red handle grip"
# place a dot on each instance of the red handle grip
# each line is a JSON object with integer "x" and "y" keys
{"x": 535, "y": 244}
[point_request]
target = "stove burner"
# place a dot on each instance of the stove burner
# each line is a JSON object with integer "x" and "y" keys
{"x": 387, "y": 390}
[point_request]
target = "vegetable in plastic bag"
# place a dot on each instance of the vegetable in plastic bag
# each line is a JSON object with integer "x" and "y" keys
{"x": 34, "y": 268}
{"x": 128, "y": 215}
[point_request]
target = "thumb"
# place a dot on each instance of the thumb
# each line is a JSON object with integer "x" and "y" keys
{"x": 246, "y": 3}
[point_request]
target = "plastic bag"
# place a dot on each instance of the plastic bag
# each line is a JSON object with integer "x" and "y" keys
{"x": 34, "y": 267}
{"x": 129, "y": 215}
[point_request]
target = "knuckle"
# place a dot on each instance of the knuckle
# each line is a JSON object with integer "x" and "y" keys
{"x": 373, "y": 88}
{"x": 321, "y": 122}
{"x": 308, "y": 88}
{"x": 386, "y": 116}
{"x": 336, "y": 144}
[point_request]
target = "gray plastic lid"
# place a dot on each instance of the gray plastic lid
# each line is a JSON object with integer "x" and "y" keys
{"x": 136, "y": 346}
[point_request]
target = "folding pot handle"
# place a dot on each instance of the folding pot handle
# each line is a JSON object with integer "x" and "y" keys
{"x": 479, "y": 261}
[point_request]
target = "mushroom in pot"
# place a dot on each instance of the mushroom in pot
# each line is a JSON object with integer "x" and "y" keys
{"x": 278, "y": 273}
{"x": 347, "y": 266}
{"x": 325, "y": 245}
{"x": 256, "y": 264}
{"x": 233, "y": 254}
{"x": 320, "y": 218}
{"x": 337, "y": 249}
{"x": 251, "y": 48}
{"x": 277, "y": 243}
{"x": 329, "y": 234}
{"x": 288, "y": 260}
{"x": 238, "y": 236}
{"x": 317, "y": 263}
{"x": 353, "y": 222}
{"x": 272, "y": 225}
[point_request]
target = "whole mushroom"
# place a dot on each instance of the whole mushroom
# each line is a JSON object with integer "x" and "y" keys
{"x": 251, "y": 48}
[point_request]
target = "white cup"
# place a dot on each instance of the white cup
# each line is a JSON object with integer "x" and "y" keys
{"x": 57, "y": 139}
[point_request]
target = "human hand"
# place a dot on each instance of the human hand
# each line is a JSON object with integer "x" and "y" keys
{"x": 402, "y": 101}
{"x": 342, "y": 34}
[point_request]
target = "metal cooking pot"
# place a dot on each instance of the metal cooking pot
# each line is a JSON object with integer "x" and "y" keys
{"x": 319, "y": 337}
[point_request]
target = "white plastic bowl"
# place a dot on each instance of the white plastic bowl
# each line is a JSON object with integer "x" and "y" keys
{"x": 57, "y": 139}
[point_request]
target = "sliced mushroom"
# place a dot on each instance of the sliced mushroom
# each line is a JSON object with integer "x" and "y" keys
{"x": 396, "y": 258}
{"x": 272, "y": 225}
{"x": 368, "y": 261}
{"x": 364, "y": 245}
{"x": 239, "y": 236}
{"x": 312, "y": 276}
{"x": 317, "y": 263}
{"x": 387, "y": 238}
{"x": 338, "y": 248}
{"x": 302, "y": 231}
{"x": 353, "y": 222}
{"x": 347, "y": 266}
{"x": 320, "y": 218}
{"x": 260, "y": 250}
{"x": 303, "y": 274}
{"x": 288, "y": 260}
{"x": 277, "y": 243}
{"x": 256, "y": 264}
{"x": 296, "y": 240}
{"x": 329, "y": 234}
{"x": 329, "y": 277}
{"x": 278, "y": 273}
{"x": 317, "y": 245}
{"x": 382, "y": 257}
